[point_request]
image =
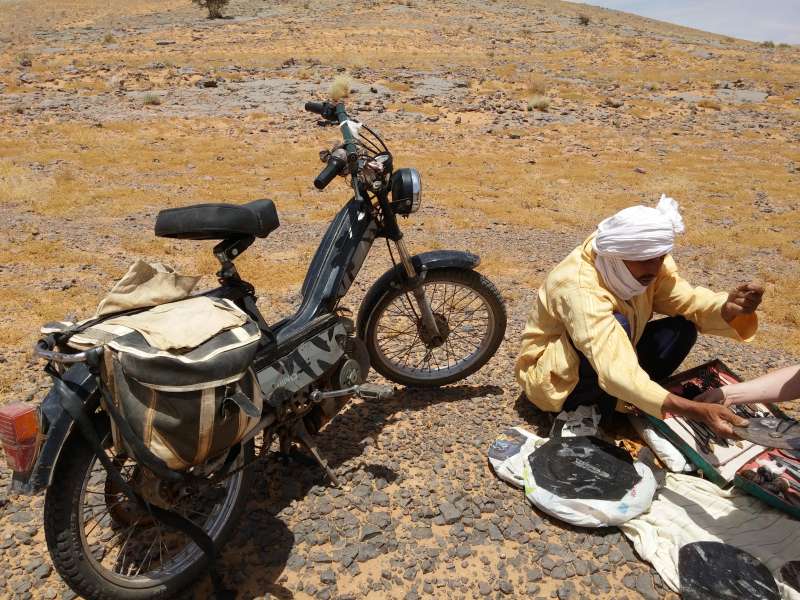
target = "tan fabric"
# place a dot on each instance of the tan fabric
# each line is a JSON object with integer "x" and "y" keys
{"x": 145, "y": 285}
{"x": 184, "y": 324}
{"x": 574, "y": 306}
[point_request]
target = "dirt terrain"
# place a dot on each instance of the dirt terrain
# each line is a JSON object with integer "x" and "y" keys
{"x": 528, "y": 123}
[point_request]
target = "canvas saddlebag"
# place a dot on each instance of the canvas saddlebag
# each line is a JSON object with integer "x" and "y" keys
{"x": 179, "y": 375}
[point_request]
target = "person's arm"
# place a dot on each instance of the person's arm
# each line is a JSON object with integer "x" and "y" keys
{"x": 717, "y": 313}
{"x": 590, "y": 323}
{"x": 588, "y": 318}
{"x": 777, "y": 386}
{"x": 718, "y": 417}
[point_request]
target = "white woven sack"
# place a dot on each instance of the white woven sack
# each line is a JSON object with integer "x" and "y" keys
{"x": 593, "y": 513}
{"x": 509, "y": 453}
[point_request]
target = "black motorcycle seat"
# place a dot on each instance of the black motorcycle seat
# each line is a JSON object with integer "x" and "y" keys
{"x": 218, "y": 221}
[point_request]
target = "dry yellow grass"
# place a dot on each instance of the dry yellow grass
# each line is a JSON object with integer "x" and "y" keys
{"x": 562, "y": 177}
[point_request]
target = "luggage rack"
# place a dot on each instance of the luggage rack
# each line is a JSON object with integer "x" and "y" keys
{"x": 43, "y": 349}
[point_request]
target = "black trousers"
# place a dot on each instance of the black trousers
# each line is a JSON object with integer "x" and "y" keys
{"x": 664, "y": 345}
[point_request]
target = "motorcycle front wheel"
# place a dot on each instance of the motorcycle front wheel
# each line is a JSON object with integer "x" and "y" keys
{"x": 469, "y": 313}
{"x": 106, "y": 547}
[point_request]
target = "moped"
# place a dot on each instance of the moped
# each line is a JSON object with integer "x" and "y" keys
{"x": 431, "y": 319}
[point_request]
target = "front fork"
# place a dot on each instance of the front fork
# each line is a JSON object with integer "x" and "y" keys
{"x": 426, "y": 313}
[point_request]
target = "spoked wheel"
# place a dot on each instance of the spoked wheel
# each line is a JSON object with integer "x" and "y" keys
{"x": 105, "y": 546}
{"x": 470, "y": 316}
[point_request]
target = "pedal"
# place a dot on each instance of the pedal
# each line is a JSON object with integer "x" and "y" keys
{"x": 375, "y": 391}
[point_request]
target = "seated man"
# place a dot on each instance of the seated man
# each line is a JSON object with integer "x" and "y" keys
{"x": 589, "y": 339}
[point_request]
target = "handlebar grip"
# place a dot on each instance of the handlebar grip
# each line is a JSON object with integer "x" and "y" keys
{"x": 331, "y": 170}
{"x": 316, "y": 107}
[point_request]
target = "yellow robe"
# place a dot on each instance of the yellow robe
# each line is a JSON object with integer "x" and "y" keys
{"x": 573, "y": 303}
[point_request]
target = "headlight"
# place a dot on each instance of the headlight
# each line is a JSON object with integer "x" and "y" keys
{"x": 406, "y": 191}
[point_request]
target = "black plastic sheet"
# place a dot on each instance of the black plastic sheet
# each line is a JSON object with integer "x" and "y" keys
{"x": 709, "y": 570}
{"x": 583, "y": 467}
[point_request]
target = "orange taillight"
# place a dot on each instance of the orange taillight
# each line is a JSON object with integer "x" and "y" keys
{"x": 19, "y": 434}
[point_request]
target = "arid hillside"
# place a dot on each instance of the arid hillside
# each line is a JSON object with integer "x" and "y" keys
{"x": 529, "y": 121}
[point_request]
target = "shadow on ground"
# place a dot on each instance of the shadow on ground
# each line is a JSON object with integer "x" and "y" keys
{"x": 253, "y": 561}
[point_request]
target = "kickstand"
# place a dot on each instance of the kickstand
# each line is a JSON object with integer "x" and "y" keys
{"x": 301, "y": 433}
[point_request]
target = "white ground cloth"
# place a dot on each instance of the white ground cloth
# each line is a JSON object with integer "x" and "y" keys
{"x": 689, "y": 509}
{"x": 686, "y": 509}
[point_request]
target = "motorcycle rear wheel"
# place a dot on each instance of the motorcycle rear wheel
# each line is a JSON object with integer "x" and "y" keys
{"x": 470, "y": 314}
{"x": 85, "y": 520}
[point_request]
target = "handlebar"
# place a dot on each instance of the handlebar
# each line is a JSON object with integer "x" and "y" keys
{"x": 324, "y": 109}
{"x": 335, "y": 166}
{"x": 336, "y": 113}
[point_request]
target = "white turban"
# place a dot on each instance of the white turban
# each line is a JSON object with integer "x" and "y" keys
{"x": 635, "y": 233}
{"x": 640, "y": 232}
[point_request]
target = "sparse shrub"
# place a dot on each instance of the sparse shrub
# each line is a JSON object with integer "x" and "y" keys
{"x": 535, "y": 86}
{"x": 151, "y": 99}
{"x": 109, "y": 39}
{"x": 340, "y": 88}
{"x": 584, "y": 20}
{"x": 709, "y": 103}
{"x": 25, "y": 59}
{"x": 652, "y": 86}
{"x": 768, "y": 44}
{"x": 539, "y": 103}
{"x": 784, "y": 45}
{"x": 214, "y": 7}
{"x": 470, "y": 28}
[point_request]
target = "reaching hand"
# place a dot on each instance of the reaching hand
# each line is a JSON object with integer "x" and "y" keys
{"x": 713, "y": 396}
{"x": 744, "y": 300}
{"x": 720, "y": 419}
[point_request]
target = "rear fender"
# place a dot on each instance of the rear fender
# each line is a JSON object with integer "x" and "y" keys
{"x": 58, "y": 426}
{"x": 396, "y": 276}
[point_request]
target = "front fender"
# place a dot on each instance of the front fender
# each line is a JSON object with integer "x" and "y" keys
{"x": 58, "y": 426}
{"x": 427, "y": 261}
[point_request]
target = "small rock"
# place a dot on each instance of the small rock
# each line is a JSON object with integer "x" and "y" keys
{"x": 369, "y": 531}
{"x": 600, "y": 582}
{"x": 421, "y": 533}
{"x": 328, "y": 577}
{"x": 558, "y": 572}
{"x": 644, "y": 585}
{"x": 450, "y": 514}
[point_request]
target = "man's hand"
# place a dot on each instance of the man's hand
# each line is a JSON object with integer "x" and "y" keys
{"x": 720, "y": 419}
{"x": 744, "y": 300}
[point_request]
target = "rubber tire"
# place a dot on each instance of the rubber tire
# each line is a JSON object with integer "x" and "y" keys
{"x": 466, "y": 277}
{"x": 63, "y": 535}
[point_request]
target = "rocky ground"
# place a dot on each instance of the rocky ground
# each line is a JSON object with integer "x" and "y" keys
{"x": 110, "y": 116}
